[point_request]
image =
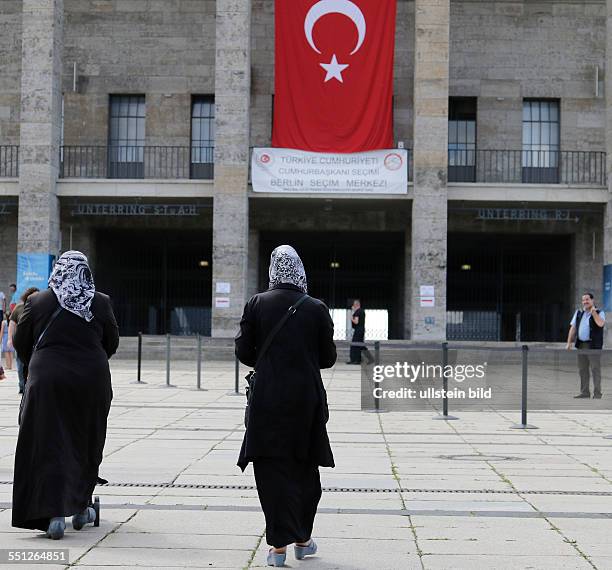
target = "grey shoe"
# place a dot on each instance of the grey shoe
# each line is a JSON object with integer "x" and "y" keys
{"x": 275, "y": 558}
{"x": 301, "y": 551}
{"x": 88, "y": 516}
{"x": 56, "y": 529}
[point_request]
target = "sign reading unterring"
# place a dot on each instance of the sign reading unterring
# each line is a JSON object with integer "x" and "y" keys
{"x": 296, "y": 171}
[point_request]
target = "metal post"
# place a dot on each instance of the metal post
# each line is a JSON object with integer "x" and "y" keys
{"x": 377, "y": 362}
{"x": 139, "y": 372}
{"x": 524, "y": 359}
{"x": 445, "y": 415}
{"x": 236, "y": 390}
{"x": 168, "y": 353}
{"x": 199, "y": 358}
{"x": 376, "y": 409}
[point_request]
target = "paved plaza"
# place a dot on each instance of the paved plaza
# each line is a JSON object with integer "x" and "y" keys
{"x": 408, "y": 492}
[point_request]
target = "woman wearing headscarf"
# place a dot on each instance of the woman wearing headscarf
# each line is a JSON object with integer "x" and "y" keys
{"x": 286, "y": 436}
{"x": 64, "y": 338}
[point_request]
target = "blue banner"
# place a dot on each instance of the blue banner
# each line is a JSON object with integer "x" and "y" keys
{"x": 33, "y": 270}
{"x": 607, "y": 289}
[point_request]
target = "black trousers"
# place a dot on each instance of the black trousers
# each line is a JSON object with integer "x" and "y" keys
{"x": 586, "y": 362}
{"x": 289, "y": 493}
{"x": 358, "y": 336}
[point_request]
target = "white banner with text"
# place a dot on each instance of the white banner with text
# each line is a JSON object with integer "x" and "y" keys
{"x": 296, "y": 171}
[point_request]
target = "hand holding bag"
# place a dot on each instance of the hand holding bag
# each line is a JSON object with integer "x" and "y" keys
{"x": 252, "y": 375}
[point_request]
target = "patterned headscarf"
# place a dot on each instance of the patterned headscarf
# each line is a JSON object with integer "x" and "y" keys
{"x": 73, "y": 284}
{"x": 287, "y": 267}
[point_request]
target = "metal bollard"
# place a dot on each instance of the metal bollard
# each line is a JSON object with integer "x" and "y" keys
{"x": 236, "y": 391}
{"x": 524, "y": 360}
{"x": 139, "y": 372}
{"x": 236, "y": 376}
{"x": 199, "y": 359}
{"x": 445, "y": 415}
{"x": 376, "y": 409}
{"x": 168, "y": 352}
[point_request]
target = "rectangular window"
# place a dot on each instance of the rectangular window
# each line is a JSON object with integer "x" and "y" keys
{"x": 126, "y": 136}
{"x": 462, "y": 139}
{"x": 541, "y": 141}
{"x": 202, "y": 136}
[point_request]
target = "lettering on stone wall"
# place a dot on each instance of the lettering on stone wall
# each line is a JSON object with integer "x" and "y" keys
{"x": 111, "y": 209}
{"x": 527, "y": 214}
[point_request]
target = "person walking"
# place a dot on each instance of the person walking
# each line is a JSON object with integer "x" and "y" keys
{"x": 7, "y": 349}
{"x": 586, "y": 333}
{"x": 64, "y": 338}
{"x": 358, "y": 326}
{"x": 286, "y": 436}
{"x": 15, "y": 314}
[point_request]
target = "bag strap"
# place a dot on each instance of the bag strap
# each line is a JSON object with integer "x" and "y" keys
{"x": 278, "y": 327}
{"x": 49, "y": 323}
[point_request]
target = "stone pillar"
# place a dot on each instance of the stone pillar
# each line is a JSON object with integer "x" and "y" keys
{"x": 607, "y": 253}
{"x": 231, "y": 212}
{"x": 41, "y": 69}
{"x": 429, "y": 206}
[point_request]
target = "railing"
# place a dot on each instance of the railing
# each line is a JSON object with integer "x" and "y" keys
{"x": 9, "y": 161}
{"x": 137, "y": 162}
{"x": 527, "y": 166}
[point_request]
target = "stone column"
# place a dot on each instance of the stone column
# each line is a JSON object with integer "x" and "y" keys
{"x": 41, "y": 69}
{"x": 607, "y": 253}
{"x": 231, "y": 213}
{"x": 429, "y": 206}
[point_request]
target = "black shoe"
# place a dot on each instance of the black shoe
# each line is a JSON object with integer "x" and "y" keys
{"x": 596, "y": 396}
{"x": 583, "y": 396}
{"x": 351, "y": 362}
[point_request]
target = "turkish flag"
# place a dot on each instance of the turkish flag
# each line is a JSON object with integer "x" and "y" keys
{"x": 334, "y": 75}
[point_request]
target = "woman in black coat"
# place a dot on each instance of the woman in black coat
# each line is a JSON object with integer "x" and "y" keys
{"x": 62, "y": 421}
{"x": 286, "y": 438}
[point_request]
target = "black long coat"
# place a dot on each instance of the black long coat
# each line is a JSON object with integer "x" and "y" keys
{"x": 64, "y": 409}
{"x": 289, "y": 404}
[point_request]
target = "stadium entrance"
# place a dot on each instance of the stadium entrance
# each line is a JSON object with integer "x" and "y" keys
{"x": 509, "y": 287}
{"x": 159, "y": 280}
{"x": 341, "y": 266}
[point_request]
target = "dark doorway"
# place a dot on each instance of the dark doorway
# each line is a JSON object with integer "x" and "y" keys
{"x": 159, "y": 281}
{"x": 341, "y": 266}
{"x": 508, "y": 287}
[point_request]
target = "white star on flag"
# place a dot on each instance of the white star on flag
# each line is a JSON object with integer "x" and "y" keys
{"x": 334, "y": 69}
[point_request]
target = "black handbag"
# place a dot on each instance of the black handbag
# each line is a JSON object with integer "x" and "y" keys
{"x": 252, "y": 375}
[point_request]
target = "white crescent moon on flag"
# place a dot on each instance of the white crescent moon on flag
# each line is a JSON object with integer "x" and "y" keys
{"x": 345, "y": 7}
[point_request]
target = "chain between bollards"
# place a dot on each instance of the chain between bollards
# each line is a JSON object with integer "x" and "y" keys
{"x": 524, "y": 379}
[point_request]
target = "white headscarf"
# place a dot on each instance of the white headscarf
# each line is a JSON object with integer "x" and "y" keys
{"x": 73, "y": 284}
{"x": 287, "y": 267}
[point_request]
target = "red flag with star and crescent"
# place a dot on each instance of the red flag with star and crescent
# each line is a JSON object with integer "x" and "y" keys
{"x": 334, "y": 75}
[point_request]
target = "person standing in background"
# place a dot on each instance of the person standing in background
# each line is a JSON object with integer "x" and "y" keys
{"x": 2, "y": 305}
{"x": 358, "y": 325}
{"x": 7, "y": 351}
{"x": 586, "y": 334}
{"x": 14, "y": 298}
{"x": 15, "y": 314}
